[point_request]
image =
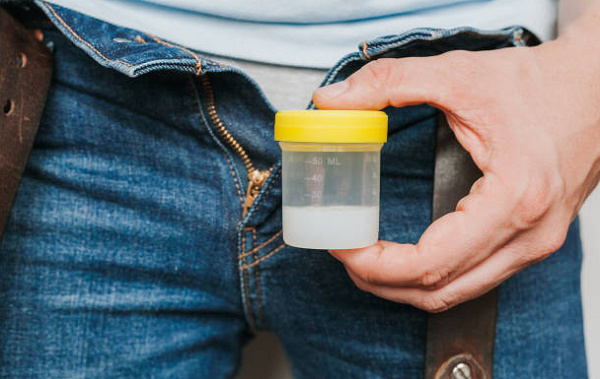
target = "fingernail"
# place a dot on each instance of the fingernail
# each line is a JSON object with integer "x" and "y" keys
{"x": 333, "y": 90}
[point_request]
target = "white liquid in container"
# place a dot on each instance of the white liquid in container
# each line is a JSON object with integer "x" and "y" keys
{"x": 330, "y": 227}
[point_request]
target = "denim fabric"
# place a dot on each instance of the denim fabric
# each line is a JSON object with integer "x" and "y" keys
{"x": 128, "y": 255}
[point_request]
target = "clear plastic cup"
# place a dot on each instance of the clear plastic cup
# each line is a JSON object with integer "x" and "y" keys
{"x": 330, "y": 177}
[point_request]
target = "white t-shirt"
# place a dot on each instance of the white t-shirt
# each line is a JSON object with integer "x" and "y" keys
{"x": 307, "y": 33}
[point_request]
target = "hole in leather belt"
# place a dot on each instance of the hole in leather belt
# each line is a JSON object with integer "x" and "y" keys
{"x": 22, "y": 60}
{"x": 8, "y": 107}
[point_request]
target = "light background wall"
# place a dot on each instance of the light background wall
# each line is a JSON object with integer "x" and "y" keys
{"x": 590, "y": 225}
{"x": 264, "y": 359}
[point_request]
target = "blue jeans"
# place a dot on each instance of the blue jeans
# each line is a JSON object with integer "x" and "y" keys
{"x": 136, "y": 248}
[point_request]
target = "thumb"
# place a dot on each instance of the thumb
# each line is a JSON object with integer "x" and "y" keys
{"x": 387, "y": 81}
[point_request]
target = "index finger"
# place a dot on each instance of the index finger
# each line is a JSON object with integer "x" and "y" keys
{"x": 390, "y": 81}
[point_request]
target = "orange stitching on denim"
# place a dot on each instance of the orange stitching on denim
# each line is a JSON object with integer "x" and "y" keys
{"x": 246, "y": 266}
{"x": 139, "y": 39}
{"x": 255, "y": 249}
{"x": 364, "y": 50}
{"x": 198, "y": 65}
{"x": 246, "y": 291}
{"x": 235, "y": 179}
{"x": 81, "y": 39}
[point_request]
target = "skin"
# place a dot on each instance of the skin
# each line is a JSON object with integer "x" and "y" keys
{"x": 530, "y": 118}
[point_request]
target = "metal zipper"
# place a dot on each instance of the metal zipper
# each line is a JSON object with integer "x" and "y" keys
{"x": 256, "y": 177}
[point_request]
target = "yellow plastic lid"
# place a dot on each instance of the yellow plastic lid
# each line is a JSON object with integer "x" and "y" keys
{"x": 331, "y": 126}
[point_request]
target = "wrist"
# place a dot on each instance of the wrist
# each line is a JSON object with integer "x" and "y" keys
{"x": 583, "y": 32}
{"x": 576, "y": 51}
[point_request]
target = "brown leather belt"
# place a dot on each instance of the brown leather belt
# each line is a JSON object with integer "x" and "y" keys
{"x": 25, "y": 74}
{"x": 460, "y": 341}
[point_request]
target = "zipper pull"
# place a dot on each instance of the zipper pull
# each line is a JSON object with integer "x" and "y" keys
{"x": 256, "y": 179}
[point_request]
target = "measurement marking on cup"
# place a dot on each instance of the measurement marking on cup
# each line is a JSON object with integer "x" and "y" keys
{"x": 318, "y": 161}
{"x": 316, "y": 178}
{"x": 333, "y": 161}
{"x": 315, "y": 161}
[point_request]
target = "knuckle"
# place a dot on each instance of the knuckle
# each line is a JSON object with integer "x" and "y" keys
{"x": 529, "y": 212}
{"x": 560, "y": 239}
{"x": 463, "y": 204}
{"x": 361, "y": 285}
{"x": 550, "y": 244}
{"x": 555, "y": 242}
{"x": 463, "y": 64}
{"x": 434, "y": 278}
{"x": 534, "y": 203}
{"x": 379, "y": 72}
{"x": 545, "y": 245}
{"x": 359, "y": 281}
{"x": 434, "y": 303}
{"x": 371, "y": 277}
{"x": 536, "y": 257}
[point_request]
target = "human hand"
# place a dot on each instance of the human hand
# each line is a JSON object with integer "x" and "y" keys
{"x": 530, "y": 118}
